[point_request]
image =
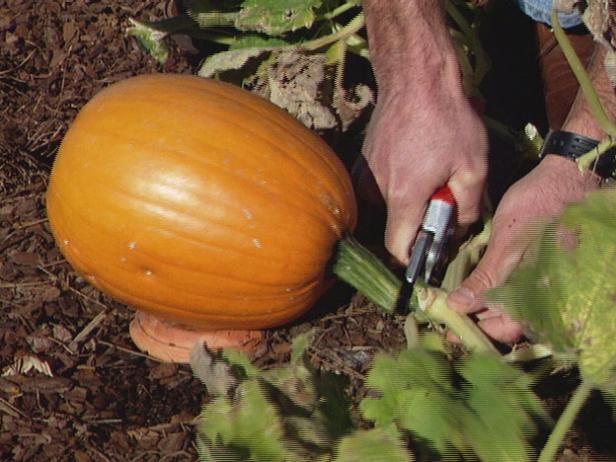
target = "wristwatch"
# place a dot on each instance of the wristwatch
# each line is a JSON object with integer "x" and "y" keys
{"x": 572, "y": 146}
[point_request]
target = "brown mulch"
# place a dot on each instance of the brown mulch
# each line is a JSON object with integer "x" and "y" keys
{"x": 90, "y": 395}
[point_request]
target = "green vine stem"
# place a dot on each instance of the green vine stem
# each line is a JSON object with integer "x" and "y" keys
{"x": 339, "y": 10}
{"x": 433, "y": 302}
{"x": 361, "y": 269}
{"x": 348, "y": 30}
{"x": 565, "y": 421}
{"x": 471, "y": 40}
{"x": 586, "y": 161}
{"x": 467, "y": 258}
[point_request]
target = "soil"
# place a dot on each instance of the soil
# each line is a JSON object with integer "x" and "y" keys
{"x": 90, "y": 395}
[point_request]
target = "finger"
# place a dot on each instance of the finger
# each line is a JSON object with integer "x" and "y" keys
{"x": 502, "y": 328}
{"x": 400, "y": 232}
{"x": 499, "y": 261}
{"x": 498, "y": 326}
{"x": 468, "y": 188}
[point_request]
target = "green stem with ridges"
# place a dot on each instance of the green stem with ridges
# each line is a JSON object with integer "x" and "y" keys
{"x": 433, "y": 302}
{"x": 565, "y": 421}
{"x": 361, "y": 269}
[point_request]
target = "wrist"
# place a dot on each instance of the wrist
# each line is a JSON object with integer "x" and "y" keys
{"x": 583, "y": 123}
{"x": 422, "y": 80}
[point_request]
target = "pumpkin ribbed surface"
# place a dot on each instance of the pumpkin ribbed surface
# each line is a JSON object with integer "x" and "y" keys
{"x": 198, "y": 202}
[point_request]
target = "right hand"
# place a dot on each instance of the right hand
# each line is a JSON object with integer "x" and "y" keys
{"x": 412, "y": 148}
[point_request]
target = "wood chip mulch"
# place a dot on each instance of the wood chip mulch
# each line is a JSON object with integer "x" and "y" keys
{"x": 72, "y": 384}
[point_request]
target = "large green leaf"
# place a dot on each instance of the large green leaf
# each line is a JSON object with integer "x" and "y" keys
{"x": 287, "y": 413}
{"x": 503, "y": 409}
{"x": 275, "y": 17}
{"x": 476, "y": 408}
{"x": 250, "y": 422}
{"x": 567, "y": 294}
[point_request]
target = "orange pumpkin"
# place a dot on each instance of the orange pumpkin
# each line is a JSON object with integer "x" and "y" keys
{"x": 198, "y": 202}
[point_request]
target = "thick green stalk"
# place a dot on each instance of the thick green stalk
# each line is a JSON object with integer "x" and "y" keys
{"x": 361, "y": 269}
{"x": 565, "y": 422}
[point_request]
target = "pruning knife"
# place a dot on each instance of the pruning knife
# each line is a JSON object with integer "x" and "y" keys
{"x": 429, "y": 251}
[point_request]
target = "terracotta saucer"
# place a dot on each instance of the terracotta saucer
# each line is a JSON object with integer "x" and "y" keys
{"x": 172, "y": 343}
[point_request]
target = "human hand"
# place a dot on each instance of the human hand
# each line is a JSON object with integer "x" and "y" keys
{"x": 539, "y": 196}
{"x": 412, "y": 148}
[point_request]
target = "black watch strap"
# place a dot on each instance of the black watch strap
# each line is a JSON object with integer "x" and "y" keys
{"x": 572, "y": 145}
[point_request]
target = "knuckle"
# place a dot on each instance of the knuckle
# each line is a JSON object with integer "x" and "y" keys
{"x": 481, "y": 279}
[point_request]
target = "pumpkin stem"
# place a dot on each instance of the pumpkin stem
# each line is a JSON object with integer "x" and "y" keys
{"x": 361, "y": 269}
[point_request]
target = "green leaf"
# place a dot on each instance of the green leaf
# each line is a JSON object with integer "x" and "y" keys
{"x": 309, "y": 430}
{"x": 476, "y": 407}
{"x": 251, "y": 422}
{"x": 567, "y": 294}
{"x": 299, "y": 346}
{"x": 149, "y": 38}
{"x": 374, "y": 445}
{"x": 238, "y": 359}
{"x": 434, "y": 417}
{"x": 391, "y": 376}
{"x": 285, "y": 413}
{"x": 296, "y": 383}
{"x": 275, "y": 17}
{"x": 504, "y": 410}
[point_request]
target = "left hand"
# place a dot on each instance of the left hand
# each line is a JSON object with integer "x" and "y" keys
{"x": 539, "y": 196}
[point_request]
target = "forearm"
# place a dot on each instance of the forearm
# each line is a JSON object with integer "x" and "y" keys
{"x": 410, "y": 45}
{"x": 581, "y": 119}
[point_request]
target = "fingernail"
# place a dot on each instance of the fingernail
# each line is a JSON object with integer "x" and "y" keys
{"x": 462, "y": 297}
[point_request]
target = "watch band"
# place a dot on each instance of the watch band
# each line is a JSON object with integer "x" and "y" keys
{"x": 572, "y": 146}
